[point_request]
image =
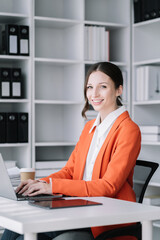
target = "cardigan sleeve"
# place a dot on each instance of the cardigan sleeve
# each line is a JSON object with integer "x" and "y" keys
{"x": 122, "y": 161}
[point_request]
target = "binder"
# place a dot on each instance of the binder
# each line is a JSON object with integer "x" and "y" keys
{"x": 2, "y": 127}
{"x": 145, "y": 10}
{"x": 158, "y": 8}
{"x": 24, "y": 40}
{"x": 10, "y": 39}
{"x": 22, "y": 127}
{"x": 5, "y": 83}
{"x": 137, "y": 11}
{"x": 153, "y": 9}
{"x": 16, "y": 83}
{"x": 12, "y": 127}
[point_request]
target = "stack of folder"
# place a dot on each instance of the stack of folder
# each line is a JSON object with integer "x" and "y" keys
{"x": 150, "y": 133}
{"x": 13, "y": 127}
{"x": 96, "y": 43}
{"x": 147, "y": 83}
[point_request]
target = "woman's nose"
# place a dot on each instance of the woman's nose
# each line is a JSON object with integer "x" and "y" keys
{"x": 95, "y": 92}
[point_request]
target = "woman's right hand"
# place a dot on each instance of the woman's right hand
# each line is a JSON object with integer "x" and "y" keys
{"x": 24, "y": 185}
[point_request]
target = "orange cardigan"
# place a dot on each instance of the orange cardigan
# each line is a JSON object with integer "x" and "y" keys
{"x": 113, "y": 168}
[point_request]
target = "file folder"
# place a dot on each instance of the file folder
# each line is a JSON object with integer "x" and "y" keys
{"x": 158, "y": 8}
{"x": 137, "y": 11}
{"x": 10, "y": 40}
{"x": 153, "y": 9}
{"x": 11, "y": 127}
{"x": 16, "y": 83}
{"x": 5, "y": 82}
{"x": 2, "y": 127}
{"x": 24, "y": 40}
{"x": 22, "y": 127}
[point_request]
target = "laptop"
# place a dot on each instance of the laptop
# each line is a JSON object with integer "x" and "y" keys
{"x": 7, "y": 190}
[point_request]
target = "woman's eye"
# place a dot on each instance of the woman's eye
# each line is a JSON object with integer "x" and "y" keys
{"x": 89, "y": 87}
{"x": 103, "y": 86}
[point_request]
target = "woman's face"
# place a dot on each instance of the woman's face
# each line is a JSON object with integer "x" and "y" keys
{"x": 101, "y": 93}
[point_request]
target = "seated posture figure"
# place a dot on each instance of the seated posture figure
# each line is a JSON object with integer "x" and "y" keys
{"x": 103, "y": 160}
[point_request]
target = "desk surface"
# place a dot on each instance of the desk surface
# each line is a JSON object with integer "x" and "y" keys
{"x": 23, "y": 218}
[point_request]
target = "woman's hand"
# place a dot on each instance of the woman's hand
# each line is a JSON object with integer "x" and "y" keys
{"x": 34, "y": 187}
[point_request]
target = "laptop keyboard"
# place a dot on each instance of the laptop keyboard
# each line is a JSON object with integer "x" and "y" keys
{"x": 19, "y": 195}
{"x": 40, "y": 196}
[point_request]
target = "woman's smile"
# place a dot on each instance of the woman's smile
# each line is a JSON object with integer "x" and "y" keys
{"x": 97, "y": 101}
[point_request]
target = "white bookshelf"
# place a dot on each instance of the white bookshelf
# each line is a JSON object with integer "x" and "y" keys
{"x": 146, "y": 52}
{"x": 17, "y": 12}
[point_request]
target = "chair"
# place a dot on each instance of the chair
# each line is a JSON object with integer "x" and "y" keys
{"x": 141, "y": 182}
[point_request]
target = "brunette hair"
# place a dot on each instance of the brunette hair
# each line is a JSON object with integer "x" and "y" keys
{"x": 109, "y": 69}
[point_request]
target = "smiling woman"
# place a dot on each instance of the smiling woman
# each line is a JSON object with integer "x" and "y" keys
{"x": 103, "y": 160}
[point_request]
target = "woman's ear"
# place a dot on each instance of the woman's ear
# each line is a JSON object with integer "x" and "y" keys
{"x": 119, "y": 90}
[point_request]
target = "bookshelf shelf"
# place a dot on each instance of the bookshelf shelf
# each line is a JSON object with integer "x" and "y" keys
{"x": 14, "y": 101}
{"x": 6, "y": 145}
{"x": 149, "y": 22}
{"x": 156, "y": 224}
{"x": 10, "y": 59}
{"x": 57, "y": 102}
{"x": 151, "y": 184}
{"x": 155, "y": 183}
{"x": 151, "y": 143}
{"x": 6, "y": 18}
{"x": 50, "y": 144}
{"x": 55, "y": 22}
{"x": 155, "y": 102}
{"x": 109, "y": 25}
{"x": 120, "y": 64}
{"x": 148, "y": 62}
{"x": 56, "y": 61}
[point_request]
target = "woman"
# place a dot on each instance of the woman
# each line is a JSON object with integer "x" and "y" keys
{"x": 103, "y": 160}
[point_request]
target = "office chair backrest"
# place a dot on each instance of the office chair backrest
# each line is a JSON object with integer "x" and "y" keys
{"x": 143, "y": 173}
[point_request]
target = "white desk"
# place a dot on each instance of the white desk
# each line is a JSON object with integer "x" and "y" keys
{"x": 28, "y": 220}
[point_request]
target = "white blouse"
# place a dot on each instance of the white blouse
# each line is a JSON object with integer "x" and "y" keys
{"x": 100, "y": 134}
